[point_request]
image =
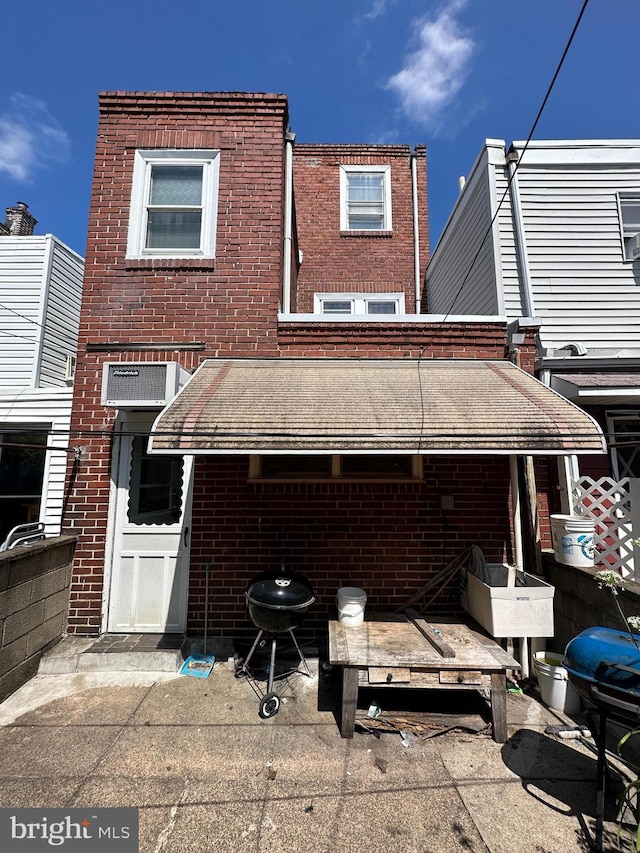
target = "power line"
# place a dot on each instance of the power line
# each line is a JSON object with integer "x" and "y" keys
{"x": 517, "y": 164}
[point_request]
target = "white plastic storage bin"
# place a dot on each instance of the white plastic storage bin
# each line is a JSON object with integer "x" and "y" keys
{"x": 523, "y": 610}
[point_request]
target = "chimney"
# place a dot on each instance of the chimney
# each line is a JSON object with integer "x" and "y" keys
{"x": 19, "y": 222}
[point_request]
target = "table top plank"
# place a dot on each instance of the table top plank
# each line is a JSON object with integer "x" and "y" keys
{"x": 401, "y": 644}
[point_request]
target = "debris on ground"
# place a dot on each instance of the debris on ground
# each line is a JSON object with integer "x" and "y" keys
{"x": 411, "y": 729}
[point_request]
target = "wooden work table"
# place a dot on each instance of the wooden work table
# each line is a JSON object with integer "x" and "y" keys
{"x": 425, "y": 655}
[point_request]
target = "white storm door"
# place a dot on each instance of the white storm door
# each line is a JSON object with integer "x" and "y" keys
{"x": 150, "y": 567}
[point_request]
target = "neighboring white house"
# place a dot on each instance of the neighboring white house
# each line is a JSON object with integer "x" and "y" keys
{"x": 40, "y": 290}
{"x": 549, "y": 234}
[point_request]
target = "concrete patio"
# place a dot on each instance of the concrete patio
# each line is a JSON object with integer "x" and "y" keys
{"x": 207, "y": 774}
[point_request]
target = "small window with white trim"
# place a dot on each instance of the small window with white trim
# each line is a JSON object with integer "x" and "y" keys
{"x": 365, "y": 198}
{"x": 339, "y": 304}
{"x": 630, "y": 223}
{"x": 174, "y": 201}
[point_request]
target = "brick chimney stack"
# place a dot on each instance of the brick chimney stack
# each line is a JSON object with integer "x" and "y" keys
{"x": 19, "y": 222}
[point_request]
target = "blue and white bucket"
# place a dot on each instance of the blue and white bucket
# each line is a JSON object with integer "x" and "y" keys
{"x": 573, "y": 540}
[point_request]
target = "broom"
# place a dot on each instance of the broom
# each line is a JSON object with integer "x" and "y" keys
{"x": 198, "y": 665}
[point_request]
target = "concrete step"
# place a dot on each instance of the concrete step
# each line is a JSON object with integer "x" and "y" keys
{"x": 112, "y": 653}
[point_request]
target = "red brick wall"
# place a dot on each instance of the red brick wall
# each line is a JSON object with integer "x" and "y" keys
{"x": 186, "y": 310}
{"x": 336, "y": 261}
{"x": 132, "y": 309}
{"x": 389, "y": 539}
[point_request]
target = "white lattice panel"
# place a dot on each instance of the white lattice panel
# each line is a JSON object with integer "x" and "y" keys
{"x": 608, "y": 503}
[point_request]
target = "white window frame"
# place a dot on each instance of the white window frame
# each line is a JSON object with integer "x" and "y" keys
{"x": 358, "y": 302}
{"x": 144, "y": 160}
{"x": 614, "y": 417}
{"x": 630, "y": 235}
{"x": 386, "y": 189}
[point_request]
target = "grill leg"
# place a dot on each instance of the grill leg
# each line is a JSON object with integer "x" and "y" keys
{"x": 272, "y": 665}
{"x": 253, "y": 648}
{"x": 601, "y": 772}
{"x": 298, "y": 649}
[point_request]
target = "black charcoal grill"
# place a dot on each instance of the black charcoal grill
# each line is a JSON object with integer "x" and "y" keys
{"x": 276, "y": 605}
{"x": 604, "y": 667}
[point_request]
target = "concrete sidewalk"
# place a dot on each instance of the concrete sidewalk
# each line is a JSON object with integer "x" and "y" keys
{"x": 207, "y": 774}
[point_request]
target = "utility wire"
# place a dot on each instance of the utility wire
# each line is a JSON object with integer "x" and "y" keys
{"x": 513, "y": 174}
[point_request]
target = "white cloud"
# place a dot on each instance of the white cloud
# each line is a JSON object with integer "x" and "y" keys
{"x": 30, "y": 138}
{"x": 433, "y": 74}
{"x": 376, "y": 10}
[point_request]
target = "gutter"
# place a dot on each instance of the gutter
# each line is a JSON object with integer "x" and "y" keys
{"x": 526, "y": 291}
{"x": 290, "y": 138}
{"x": 416, "y": 231}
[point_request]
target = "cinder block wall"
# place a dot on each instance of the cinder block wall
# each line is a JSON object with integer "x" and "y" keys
{"x": 579, "y": 603}
{"x": 34, "y": 602}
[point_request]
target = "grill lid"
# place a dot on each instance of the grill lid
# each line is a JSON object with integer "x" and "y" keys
{"x": 280, "y": 593}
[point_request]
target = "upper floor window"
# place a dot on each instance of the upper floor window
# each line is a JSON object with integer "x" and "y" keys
{"x": 358, "y": 303}
{"x": 630, "y": 216}
{"x": 365, "y": 198}
{"x": 174, "y": 200}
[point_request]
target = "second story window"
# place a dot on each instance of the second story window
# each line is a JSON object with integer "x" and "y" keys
{"x": 630, "y": 216}
{"x": 365, "y": 198}
{"x": 173, "y": 204}
{"x": 358, "y": 303}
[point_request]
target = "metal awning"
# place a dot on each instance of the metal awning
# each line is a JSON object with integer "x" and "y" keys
{"x": 348, "y": 405}
{"x": 598, "y": 388}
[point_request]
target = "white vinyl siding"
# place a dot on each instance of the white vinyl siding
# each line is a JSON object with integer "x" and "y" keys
{"x": 40, "y": 292}
{"x": 454, "y": 260}
{"x": 62, "y": 315}
{"x": 583, "y": 289}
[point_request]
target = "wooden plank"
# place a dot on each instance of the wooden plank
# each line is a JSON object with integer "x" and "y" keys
{"x": 499, "y": 706}
{"x": 349, "y": 701}
{"x": 467, "y": 676}
{"x": 430, "y": 634}
{"x": 398, "y": 644}
{"x": 389, "y": 675}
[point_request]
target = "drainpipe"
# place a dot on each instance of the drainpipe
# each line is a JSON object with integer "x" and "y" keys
{"x": 290, "y": 138}
{"x": 526, "y": 291}
{"x": 518, "y": 548}
{"x": 416, "y": 231}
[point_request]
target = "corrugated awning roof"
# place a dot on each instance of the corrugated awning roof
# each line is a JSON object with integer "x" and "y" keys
{"x": 346, "y": 405}
{"x": 598, "y": 387}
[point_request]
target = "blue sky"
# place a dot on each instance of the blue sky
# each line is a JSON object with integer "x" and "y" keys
{"x": 448, "y": 74}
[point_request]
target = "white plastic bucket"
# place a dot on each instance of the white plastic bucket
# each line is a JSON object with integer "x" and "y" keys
{"x": 572, "y": 537}
{"x": 556, "y": 690}
{"x": 351, "y": 602}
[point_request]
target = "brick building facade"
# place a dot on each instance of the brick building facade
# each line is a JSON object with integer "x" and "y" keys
{"x": 283, "y": 251}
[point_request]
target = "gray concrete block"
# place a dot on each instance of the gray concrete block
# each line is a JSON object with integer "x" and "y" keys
{"x": 19, "y": 624}
{"x": 19, "y": 675}
{"x": 49, "y": 584}
{"x": 57, "y": 603}
{"x": 15, "y": 599}
{"x": 44, "y": 634}
{"x": 13, "y": 654}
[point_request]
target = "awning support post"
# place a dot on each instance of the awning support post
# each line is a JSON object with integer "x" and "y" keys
{"x": 518, "y": 548}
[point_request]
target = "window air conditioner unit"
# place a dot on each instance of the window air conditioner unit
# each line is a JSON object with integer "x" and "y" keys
{"x": 146, "y": 385}
{"x": 635, "y": 246}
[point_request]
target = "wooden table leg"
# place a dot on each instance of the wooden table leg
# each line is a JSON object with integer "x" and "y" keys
{"x": 499, "y": 706}
{"x": 349, "y": 700}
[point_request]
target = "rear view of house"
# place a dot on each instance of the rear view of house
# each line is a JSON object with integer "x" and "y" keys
{"x": 257, "y": 386}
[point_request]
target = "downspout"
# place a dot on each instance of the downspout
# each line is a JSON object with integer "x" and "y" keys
{"x": 416, "y": 230}
{"x": 290, "y": 138}
{"x": 526, "y": 291}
